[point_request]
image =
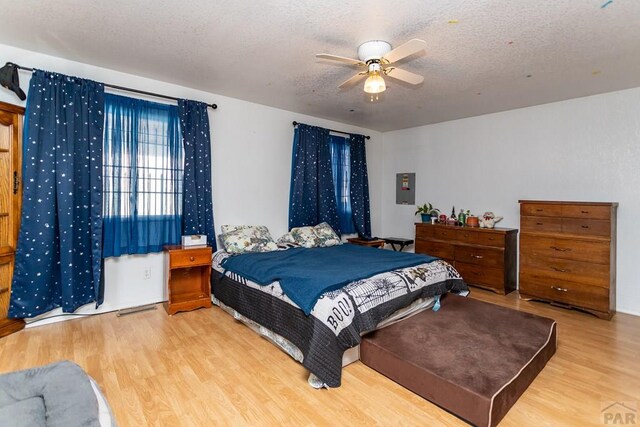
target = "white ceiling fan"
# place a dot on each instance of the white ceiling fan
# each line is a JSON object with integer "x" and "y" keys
{"x": 378, "y": 58}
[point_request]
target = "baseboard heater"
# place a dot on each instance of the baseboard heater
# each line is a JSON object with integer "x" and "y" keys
{"x": 137, "y": 309}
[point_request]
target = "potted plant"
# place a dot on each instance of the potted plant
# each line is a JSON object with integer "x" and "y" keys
{"x": 427, "y": 211}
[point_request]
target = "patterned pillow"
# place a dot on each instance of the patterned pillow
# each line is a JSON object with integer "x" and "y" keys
{"x": 285, "y": 239}
{"x": 326, "y": 236}
{"x": 305, "y": 237}
{"x": 247, "y": 238}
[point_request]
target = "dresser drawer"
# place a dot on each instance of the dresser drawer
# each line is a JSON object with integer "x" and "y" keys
{"x": 540, "y": 209}
{"x": 467, "y": 235}
{"x": 567, "y": 270}
{"x": 533, "y": 224}
{"x": 437, "y": 249}
{"x": 587, "y": 227}
{"x": 586, "y": 211}
{"x": 424, "y": 230}
{"x": 190, "y": 257}
{"x": 565, "y": 248}
{"x": 488, "y": 238}
{"x": 481, "y": 275}
{"x": 480, "y": 256}
{"x": 443, "y": 232}
{"x": 577, "y": 294}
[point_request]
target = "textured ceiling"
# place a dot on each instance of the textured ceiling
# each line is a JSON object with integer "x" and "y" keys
{"x": 264, "y": 51}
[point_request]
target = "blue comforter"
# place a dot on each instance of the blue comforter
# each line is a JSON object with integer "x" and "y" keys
{"x": 305, "y": 274}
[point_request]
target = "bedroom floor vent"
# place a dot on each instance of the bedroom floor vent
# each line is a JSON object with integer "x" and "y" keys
{"x": 137, "y": 309}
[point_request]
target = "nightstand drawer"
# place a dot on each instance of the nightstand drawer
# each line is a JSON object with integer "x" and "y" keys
{"x": 190, "y": 257}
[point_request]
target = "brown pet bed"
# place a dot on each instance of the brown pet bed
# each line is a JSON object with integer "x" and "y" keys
{"x": 472, "y": 358}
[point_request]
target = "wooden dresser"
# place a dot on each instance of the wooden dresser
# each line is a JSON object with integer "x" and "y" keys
{"x": 568, "y": 254}
{"x": 485, "y": 258}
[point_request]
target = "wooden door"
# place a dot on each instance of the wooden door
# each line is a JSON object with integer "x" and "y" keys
{"x": 10, "y": 199}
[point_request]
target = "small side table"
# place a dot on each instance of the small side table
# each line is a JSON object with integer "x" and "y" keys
{"x": 393, "y": 241}
{"x": 375, "y": 243}
{"x": 187, "y": 278}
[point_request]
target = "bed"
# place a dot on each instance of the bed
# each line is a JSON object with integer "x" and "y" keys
{"x": 326, "y": 335}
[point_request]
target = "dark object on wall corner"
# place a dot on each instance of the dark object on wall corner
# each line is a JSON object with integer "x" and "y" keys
{"x": 9, "y": 78}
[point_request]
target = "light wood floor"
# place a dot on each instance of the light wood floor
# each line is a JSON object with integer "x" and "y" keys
{"x": 203, "y": 368}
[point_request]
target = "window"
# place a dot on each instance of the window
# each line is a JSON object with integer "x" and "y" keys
{"x": 341, "y": 169}
{"x": 143, "y": 175}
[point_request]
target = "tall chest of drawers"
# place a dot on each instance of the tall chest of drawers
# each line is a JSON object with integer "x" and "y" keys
{"x": 568, "y": 254}
{"x": 485, "y": 258}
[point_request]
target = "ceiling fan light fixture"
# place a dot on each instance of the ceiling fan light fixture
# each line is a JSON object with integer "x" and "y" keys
{"x": 374, "y": 83}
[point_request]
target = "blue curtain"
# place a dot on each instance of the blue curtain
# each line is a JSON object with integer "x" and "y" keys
{"x": 341, "y": 167}
{"x": 142, "y": 176}
{"x": 312, "y": 198}
{"x": 197, "y": 208}
{"x": 58, "y": 258}
{"x": 360, "y": 186}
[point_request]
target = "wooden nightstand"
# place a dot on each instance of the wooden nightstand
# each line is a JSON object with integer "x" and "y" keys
{"x": 187, "y": 278}
{"x": 376, "y": 243}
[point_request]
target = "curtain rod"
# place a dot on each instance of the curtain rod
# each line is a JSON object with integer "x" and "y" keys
{"x": 333, "y": 130}
{"x": 128, "y": 89}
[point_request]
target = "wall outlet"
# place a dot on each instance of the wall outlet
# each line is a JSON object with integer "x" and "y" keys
{"x": 147, "y": 273}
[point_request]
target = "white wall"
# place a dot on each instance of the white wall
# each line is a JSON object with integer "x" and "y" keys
{"x": 583, "y": 149}
{"x": 251, "y": 150}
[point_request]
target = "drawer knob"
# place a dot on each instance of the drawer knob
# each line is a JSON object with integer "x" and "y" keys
{"x": 539, "y": 210}
{"x": 539, "y": 223}
{"x": 191, "y": 258}
{"x": 585, "y": 212}
{"x": 477, "y": 256}
{"x": 559, "y": 269}
{"x": 585, "y": 226}
{"x": 555, "y": 248}
{"x": 557, "y": 288}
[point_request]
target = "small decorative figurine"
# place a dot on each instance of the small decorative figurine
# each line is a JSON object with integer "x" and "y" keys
{"x": 489, "y": 220}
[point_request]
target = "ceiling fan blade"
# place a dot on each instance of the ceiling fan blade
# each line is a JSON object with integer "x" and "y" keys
{"x": 340, "y": 59}
{"x": 404, "y": 50}
{"x": 353, "y": 80}
{"x": 404, "y": 76}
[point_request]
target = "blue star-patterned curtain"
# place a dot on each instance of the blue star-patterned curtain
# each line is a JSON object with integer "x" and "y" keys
{"x": 197, "y": 205}
{"x": 312, "y": 197}
{"x": 360, "y": 186}
{"x": 58, "y": 258}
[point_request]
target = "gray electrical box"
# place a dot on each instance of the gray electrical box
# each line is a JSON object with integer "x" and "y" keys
{"x": 405, "y": 188}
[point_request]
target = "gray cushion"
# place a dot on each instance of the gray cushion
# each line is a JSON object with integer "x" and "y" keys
{"x": 25, "y": 413}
